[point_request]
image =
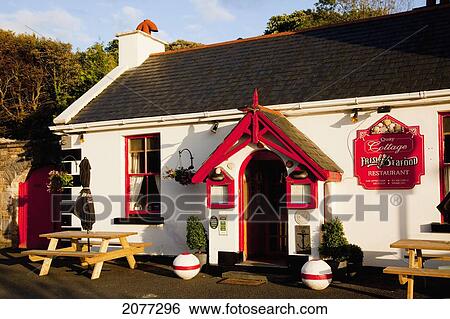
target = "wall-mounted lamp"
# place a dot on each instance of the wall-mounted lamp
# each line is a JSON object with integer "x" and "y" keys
{"x": 65, "y": 139}
{"x": 217, "y": 175}
{"x": 299, "y": 174}
{"x": 354, "y": 116}
{"x": 215, "y": 127}
{"x": 384, "y": 109}
{"x": 82, "y": 138}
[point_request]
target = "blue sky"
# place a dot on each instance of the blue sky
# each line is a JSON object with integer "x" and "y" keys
{"x": 83, "y": 22}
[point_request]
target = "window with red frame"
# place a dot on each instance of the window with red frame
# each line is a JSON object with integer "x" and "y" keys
{"x": 143, "y": 174}
{"x": 301, "y": 192}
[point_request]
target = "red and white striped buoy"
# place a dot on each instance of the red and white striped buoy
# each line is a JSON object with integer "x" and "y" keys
{"x": 316, "y": 274}
{"x": 186, "y": 266}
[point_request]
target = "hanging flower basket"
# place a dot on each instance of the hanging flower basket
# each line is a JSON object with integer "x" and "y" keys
{"x": 57, "y": 180}
{"x": 180, "y": 174}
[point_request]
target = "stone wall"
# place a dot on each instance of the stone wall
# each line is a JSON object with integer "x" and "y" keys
{"x": 14, "y": 168}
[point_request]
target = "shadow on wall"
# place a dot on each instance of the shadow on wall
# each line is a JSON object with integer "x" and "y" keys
{"x": 201, "y": 144}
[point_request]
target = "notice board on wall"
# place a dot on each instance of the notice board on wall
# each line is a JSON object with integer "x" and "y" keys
{"x": 389, "y": 155}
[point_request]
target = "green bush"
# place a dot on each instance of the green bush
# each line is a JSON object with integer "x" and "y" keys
{"x": 355, "y": 254}
{"x": 195, "y": 234}
{"x": 334, "y": 242}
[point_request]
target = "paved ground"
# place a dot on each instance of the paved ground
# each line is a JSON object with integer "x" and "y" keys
{"x": 18, "y": 279}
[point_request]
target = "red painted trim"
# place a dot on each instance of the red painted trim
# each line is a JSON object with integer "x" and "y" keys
{"x": 307, "y": 181}
{"x": 441, "y": 156}
{"x": 255, "y": 128}
{"x": 227, "y": 181}
{"x": 317, "y": 277}
{"x": 237, "y": 148}
{"x": 129, "y": 212}
{"x": 315, "y": 168}
{"x": 217, "y": 156}
{"x": 186, "y": 267}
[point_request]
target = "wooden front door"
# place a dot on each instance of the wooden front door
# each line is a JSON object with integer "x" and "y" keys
{"x": 35, "y": 209}
{"x": 266, "y": 218}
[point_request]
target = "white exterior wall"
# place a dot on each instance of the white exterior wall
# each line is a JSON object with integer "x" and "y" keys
{"x": 333, "y": 133}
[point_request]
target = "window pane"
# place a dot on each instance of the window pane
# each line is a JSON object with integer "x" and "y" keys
{"x": 137, "y": 192}
{"x": 137, "y": 144}
{"x": 219, "y": 194}
{"x": 153, "y": 143}
{"x": 447, "y": 148}
{"x": 137, "y": 162}
{"x": 153, "y": 200}
{"x": 144, "y": 193}
{"x": 301, "y": 194}
{"x": 153, "y": 162}
{"x": 446, "y": 125}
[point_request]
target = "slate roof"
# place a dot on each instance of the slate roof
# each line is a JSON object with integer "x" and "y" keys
{"x": 400, "y": 53}
{"x": 301, "y": 140}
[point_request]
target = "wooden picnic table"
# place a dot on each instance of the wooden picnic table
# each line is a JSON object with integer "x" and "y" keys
{"x": 79, "y": 249}
{"x": 414, "y": 249}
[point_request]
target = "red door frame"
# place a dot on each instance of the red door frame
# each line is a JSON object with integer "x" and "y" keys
{"x": 441, "y": 116}
{"x": 264, "y": 153}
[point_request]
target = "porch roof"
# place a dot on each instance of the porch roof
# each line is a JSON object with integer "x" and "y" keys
{"x": 254, "y": 127}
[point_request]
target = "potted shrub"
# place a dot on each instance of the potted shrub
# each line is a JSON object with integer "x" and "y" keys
{"x": 333, "y": 247}
{"x": 355, "y": 258}
{"x": 57, "y": 180}
{"x": 196, "y": 238}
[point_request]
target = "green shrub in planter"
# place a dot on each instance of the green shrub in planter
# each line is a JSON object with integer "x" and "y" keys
{"x": 334, "y": 244}
{"x": 196, "y": 234}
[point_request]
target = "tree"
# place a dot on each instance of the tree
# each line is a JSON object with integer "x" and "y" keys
{"x": 95, "y": 63}
{"x": 334, "y": 11}
{"x": 40, "y": 77}
{"x": 182, "y": 44}
{"x": 36, "y": 77}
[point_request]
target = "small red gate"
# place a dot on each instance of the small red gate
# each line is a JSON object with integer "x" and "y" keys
{"x": 36, "y": 215}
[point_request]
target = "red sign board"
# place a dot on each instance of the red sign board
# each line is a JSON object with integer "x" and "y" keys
{"x": 389, "y": 155}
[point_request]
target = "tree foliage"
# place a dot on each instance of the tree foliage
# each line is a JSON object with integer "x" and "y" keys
{"x": 40, "y": 77}
{"x": 182, "y": 44}
{"x": 334, "y": 11}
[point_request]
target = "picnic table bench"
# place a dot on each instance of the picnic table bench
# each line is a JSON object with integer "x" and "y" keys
{"x": 416, "y": 258}
{"x": 79, "y": 249}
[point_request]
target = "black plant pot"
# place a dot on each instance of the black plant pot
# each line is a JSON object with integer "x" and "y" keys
{"x": 353, "y": 269}
{"x": 339, "y": 269}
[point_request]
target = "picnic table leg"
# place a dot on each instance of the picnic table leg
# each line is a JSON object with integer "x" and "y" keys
{"x": 48, "y": 260}
{"x": 419, "y": 258}
{"x": 98, "y": 266}
{"x": 130, "y": 258}
{"x": 412, "y": 258}
{"x": 410, "y": 289}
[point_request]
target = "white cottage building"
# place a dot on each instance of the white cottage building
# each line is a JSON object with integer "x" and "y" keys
{"x": 353, "y": 124}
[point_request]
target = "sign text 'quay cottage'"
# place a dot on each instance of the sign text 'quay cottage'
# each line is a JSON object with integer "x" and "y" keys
{"x": 389, "y": 155}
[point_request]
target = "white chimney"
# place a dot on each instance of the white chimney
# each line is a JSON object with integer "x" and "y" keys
{"x": 135, "y": 46}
